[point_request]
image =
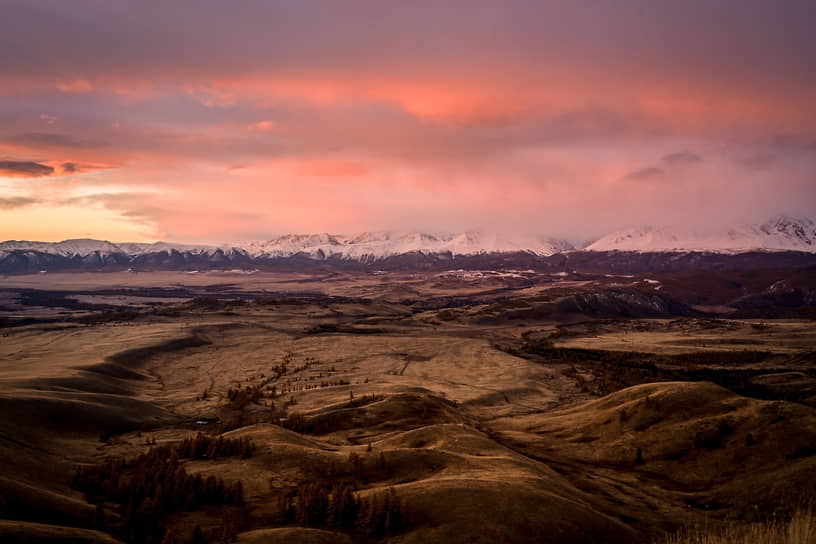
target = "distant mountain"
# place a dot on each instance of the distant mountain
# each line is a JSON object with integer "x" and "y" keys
{"x": 779, "y": 234}
{"x": 371, "y": 245}
{"x": 417, "y": 249}
{"x": 781, "y": 242}
{"x": 81, "y": 247}
{"x": 379, "y": 245}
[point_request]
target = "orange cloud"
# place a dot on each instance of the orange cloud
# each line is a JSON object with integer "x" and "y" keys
{"x": 263, "y": 126}
{"x": 332, "y": 168}
{"x": 75, "y": 86}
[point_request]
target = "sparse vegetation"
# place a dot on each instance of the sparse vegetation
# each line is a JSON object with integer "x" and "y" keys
{"x": 329, "y": 500}
{"x": 155, "y": 484}
{"x": 799, "y": 528}
{"x": 615, "y": 370}
{"x": 457, "y": 440}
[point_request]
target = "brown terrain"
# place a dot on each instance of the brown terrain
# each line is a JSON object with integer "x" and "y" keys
{"x": 403, "y": 407}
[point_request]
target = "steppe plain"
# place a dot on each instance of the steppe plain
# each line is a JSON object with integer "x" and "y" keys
{"x": 468, "y": 406}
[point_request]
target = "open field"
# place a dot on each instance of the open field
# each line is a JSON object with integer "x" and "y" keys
{"x": 404, "y": 407}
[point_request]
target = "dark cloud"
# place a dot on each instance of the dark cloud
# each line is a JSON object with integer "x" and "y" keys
{"x": 69, "y": 167}
{"x": 792, "y": 142}
{"x": 644, "y": 174}
{"x": 699, "y": 36}
{"x": 26, "y": 169}
{"x": 681, "y": 158}
{"x": 16, "y": 202}
{"x": 758, "y": 161}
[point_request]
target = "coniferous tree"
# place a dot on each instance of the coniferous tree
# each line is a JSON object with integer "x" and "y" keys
{"x": 198, "y": 536}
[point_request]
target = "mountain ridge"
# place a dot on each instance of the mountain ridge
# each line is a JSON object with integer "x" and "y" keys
{"x": 360, "y": 246}
{"x": 781, "y": 233}
{"x": 629, "y": 249}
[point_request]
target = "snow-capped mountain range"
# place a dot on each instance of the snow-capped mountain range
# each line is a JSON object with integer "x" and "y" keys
{"x": 779, "y": 234}
{"x": 417, "y": 249}
{"x": 379, "y": 245}
{"x": 368, "y": 246}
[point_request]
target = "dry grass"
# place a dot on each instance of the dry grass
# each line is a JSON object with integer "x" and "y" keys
{"x": 799, "y": 529}
{"x": 539, "y": 464}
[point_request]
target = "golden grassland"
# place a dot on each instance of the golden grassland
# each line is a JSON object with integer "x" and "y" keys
{"x": 487, "y": 424}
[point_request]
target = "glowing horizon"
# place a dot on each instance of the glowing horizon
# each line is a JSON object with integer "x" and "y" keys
{"x": 199, "y": 122}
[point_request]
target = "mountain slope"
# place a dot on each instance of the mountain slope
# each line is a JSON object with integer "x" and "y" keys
{"x": 779, "y": 234}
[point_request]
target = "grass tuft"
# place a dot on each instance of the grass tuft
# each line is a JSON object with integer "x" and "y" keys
{"x": 800, "y": 528}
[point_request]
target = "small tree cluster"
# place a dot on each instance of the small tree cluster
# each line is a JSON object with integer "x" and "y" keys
{"x": 383, "y": 514}
{"x": 297, "y": 422}
{"x": 332, "y": 383}
{"x": 337, "y": 507}
{"x": 240, "y": 397}
{"x": 211, "y": 447}
{"x": 151, "y": 486}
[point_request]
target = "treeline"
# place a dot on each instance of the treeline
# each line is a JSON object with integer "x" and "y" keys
{"x": 329, "y": 500}
{"x": 337, "y": 507}
{"x": 148, "y": 488}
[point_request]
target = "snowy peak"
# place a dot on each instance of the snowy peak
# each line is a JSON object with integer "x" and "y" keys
{"x": 377, "y": 245}
{"x": 800, "y": 232}
{"x": 131, "y": 248}
{"x": 84, "y": 247}
{"x": 80, "y": 247}
{"x": 294, "y": 244}
{"x": 364, "y": 246}
{"x": 781, "y": 233}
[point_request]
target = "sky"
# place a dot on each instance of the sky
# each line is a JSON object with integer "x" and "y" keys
{"x": 215, "y": 122}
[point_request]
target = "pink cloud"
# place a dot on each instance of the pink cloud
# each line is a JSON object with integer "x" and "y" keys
{"x": 548, "y": 117}
{"x": 75, "y": 86}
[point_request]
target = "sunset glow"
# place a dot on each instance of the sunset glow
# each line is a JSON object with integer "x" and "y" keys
{"x": 215, "y": 122}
